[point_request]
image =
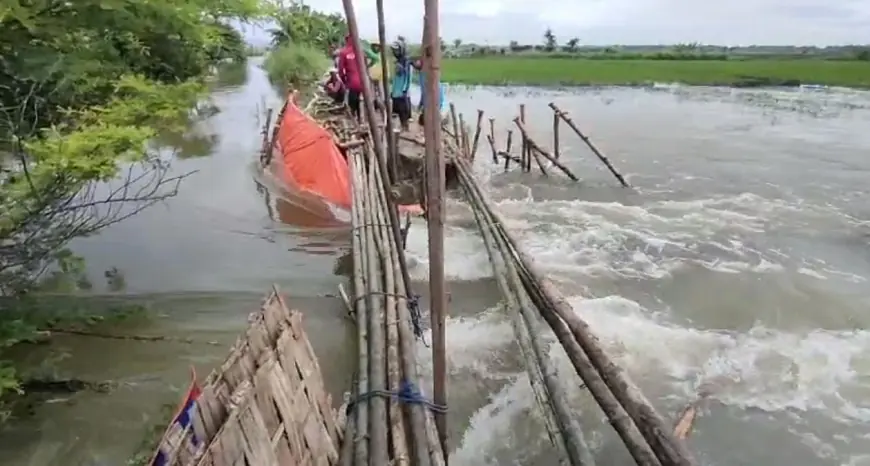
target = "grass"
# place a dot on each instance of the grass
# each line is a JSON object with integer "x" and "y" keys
{"x": 295, "y": 65}
{"x": 579, "y": 72}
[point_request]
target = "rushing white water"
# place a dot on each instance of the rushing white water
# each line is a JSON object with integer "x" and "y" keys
{"x": 755, "y": 297}
{"x": 737, "y": 267}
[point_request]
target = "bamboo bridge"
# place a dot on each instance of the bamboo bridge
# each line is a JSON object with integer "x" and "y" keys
{"x": 390, "y": 420}
{"x": 267, "y": 406}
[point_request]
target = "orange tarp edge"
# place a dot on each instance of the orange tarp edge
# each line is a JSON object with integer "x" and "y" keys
{"x": 312, "y": 162}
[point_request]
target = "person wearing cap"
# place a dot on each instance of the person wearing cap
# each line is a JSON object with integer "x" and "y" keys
{"x": 400, "y": 85}
{"x": 334, "y": 87}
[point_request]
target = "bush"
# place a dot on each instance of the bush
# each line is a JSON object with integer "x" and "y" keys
{"x": 295, "y": 65}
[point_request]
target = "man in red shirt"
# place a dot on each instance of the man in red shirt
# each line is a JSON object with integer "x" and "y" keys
{"x": 348, "y": 70}
{"x": 351, "y": 74}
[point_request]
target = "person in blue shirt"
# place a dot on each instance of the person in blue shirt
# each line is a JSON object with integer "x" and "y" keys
{"x": 401, "y": 84}
{"x": 418, "y": 64}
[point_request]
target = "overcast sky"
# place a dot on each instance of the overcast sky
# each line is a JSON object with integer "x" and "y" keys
{"x": 600, "y": 22}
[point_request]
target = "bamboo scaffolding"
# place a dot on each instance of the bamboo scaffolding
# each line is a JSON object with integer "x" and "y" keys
{"x": 537, "y": 148}
{"x": 388, "y": 346}
{"x": 589, "y": 143}
{"x": 377, "y": 141}
{"x": 623, "y": 424}
{"x": 422, "y": 420}
{"x": 562, "y": 426}
{"x": 597, "y": 369}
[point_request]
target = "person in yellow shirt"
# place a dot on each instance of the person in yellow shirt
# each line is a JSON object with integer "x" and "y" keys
{"x": 373, "y": 58}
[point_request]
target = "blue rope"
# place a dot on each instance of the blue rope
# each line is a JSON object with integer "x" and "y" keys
{"x": 407, "y": 394}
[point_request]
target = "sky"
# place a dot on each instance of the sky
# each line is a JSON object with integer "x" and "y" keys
{"x": 634, "y": 22}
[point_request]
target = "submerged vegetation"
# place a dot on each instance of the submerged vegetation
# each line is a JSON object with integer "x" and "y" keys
{"x": 549, "y": 71}
{"x": 301, "y": 43}
{"x": 84, "y": 87}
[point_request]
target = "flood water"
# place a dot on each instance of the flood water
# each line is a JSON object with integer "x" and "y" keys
{"x": 738, "y": 265}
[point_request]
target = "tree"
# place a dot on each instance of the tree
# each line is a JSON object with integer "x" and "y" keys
{"x": 299, "y": 24}
{"x": 457, "y": 43}
{"x": 549, "y": 40}
{"x": 85, "y": 86}
{"x": 442, "y": 44}
{"x": 514, "y": 46}
{"x": 572, "y": 44}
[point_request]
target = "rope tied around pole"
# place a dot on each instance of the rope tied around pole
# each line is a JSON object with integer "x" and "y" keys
{"x": 408, "y": 393}
{"x": 413, "y": 307}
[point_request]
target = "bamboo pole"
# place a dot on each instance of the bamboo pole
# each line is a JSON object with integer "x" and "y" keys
{"x": 378, "y": 438}
{"x": 436, "y": 188}
{"x": 508, "y": 143}
{"x": 361, "y": 310}
{"x": 388, "y": 102}
{"x": 568, "y": 437}
{"x": 667, "y": 448}
{"x": 494, "y": 150}
{"x": 529, "y": 147}
{"x": 466, "y": 145}
{"x": 524, "y": 146}
{"x": 556, "y": 135}
{"x": 623, "y": 424}
{"x": 394, "y": 373}
{"x": 265, "y": 147}
{"x": 589, "y": 143}
{"x": 492, "y": 135}
{"x": 477, "y": 129}
{"x": 455, "y": 121}
{"x": 543, "y": 151}
{"x": 421, "y": 420}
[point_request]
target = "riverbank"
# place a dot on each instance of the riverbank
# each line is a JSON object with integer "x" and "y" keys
{"x": 584, "y": 72}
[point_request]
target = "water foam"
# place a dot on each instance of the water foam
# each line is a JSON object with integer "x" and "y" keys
{"x": 763, "y": 369}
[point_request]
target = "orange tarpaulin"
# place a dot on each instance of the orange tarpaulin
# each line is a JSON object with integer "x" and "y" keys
{"x": 312, "y": 162}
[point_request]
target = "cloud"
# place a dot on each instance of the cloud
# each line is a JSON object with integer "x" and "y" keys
{"x": 600, "y": 22}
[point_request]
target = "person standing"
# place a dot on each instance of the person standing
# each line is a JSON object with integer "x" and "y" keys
{"x": 418, "y": 64}
{"x": 400, "y": 84}
{"x": 351, "y": 75}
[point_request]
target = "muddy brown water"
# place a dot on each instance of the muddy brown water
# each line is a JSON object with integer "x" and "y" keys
{"x": 739, "y": 264}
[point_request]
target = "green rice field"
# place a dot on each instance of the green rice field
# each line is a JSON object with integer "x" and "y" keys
{"x": 537, "y": 71}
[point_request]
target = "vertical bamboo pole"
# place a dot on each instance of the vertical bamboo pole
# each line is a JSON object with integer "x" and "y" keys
{"x": 455, "y": 121}
{"x": 507, "y": 160}
{"x": 477, "y": 134}
{"x": 388, "y": 102}
{"x": 491, "y": 138}
{"x": 463, "y": 137}
{"x": 525, "y": 156}
{"x": 436, "y": 188}
{"x": 556, "y": 134}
